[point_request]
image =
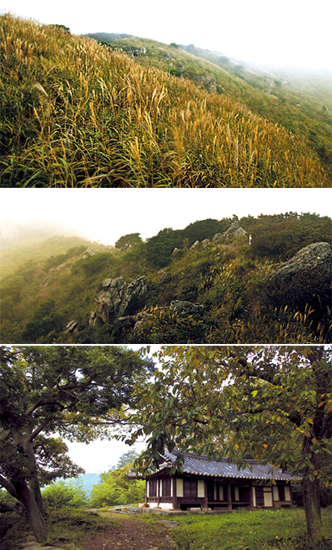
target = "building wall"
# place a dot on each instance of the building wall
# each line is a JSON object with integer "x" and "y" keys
{"x": 191, "y": 492}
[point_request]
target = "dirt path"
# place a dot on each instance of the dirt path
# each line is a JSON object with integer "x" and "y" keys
{"x": 133, "y": 535}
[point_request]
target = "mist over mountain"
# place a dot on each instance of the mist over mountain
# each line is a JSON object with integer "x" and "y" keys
{"x": 12, "y": 232}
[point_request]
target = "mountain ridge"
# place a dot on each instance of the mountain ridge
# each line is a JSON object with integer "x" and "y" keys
{"x": 208, "y": 268}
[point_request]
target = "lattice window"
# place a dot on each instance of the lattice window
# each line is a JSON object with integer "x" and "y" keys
{"x": 190, "y": 487}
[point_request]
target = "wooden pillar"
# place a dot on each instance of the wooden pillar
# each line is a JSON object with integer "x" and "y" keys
{"x": 251, "y": 498}
{"x": 229, "y": 496}
{"x": 158, "y": 491}
{"x": 173, "y": 481}
{"x": 205, "y": 494}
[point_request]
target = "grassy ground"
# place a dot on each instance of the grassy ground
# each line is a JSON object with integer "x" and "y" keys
{"x": 244, "y": 530}
{"x": 249, "y": 530}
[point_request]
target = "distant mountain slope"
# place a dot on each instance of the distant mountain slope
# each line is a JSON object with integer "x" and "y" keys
{"x": 32, "y": 244}
{"x": 88, "y": 481}
{"x": 108, "y": 36}
{"x": 77, "y": 113}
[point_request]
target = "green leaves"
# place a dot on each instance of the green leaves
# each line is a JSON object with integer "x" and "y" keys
{"x": 78, "y": 392}
{"x": 200, "y": 394}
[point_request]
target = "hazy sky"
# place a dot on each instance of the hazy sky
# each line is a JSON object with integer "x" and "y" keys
{"x": 105, "y": 215}
{"x": 284, "y": 33}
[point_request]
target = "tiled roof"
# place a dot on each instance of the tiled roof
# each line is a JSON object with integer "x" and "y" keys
{"x": 201, "y": 465}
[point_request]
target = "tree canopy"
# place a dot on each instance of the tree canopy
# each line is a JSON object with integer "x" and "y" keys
{"x": 273, "y": 404}
{"x": 75, "y": 392}
{"x": 128, "y": 241}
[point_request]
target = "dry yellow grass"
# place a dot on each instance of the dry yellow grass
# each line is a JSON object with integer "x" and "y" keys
{"x": 76, "y": 114}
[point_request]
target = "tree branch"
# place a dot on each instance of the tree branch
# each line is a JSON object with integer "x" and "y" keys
{"x": 9, "y": 487}
{"x": 4, "y": 435}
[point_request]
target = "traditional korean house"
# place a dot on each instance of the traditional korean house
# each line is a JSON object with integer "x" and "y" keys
{"x": 205, "y": 483}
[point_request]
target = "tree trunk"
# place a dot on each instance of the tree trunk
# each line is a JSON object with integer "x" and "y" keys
{"x": 32, "y": 509}
{"x": 311, "y": 503}
{"x": 35, "y": 489}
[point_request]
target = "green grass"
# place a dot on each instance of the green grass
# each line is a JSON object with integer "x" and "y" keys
{"x": 68, "y": 526}
{"x": 64, "y": 526}
{"x": 254, "y": 530}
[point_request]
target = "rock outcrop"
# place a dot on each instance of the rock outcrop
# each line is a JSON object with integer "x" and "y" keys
{"x": 116, "y": 298}
{"x": 89, "y": 252}
{"x": 304, "y": 279}
{"x": 234, "y": 230}
{"x": 240, "y": 232}
{"x": 117, "y": 301}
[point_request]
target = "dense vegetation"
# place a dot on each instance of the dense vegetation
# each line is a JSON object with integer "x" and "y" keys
{"x": 227, "y": 277}
{"x": 76, "y": 113}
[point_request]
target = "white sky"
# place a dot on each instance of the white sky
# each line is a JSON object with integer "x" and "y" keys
{"x": 105, "y": 215}
{"x": 99, "y": 456}
{"x": 293, "y": 33}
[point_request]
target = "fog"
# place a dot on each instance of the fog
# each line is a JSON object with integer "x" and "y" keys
{"x": 105, "y": 215}
{"x": 279, "y": 34}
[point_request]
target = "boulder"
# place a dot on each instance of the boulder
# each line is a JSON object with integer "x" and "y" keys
{"x": 116, "y": 298}
{"x": 72, "y": 326}
{"x": 209, "y": 83}
{"x": 195, "y": 245}
{"x": 304, "y": 279}
{"x": 139, "y": 52}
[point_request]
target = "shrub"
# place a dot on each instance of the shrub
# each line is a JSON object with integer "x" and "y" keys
{"x": 45, "y": 320}
{"x": 65, "y": 495}
{"x": 92, "y": 265}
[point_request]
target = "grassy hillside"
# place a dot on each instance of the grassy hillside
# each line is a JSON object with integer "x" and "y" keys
{"x": 225, "y": 276}
{"x": 76, "y": 113}
{"x": 299, "y": 102}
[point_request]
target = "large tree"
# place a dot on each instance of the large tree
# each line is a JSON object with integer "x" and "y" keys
{"x": 75, "y": 392}
{"x": 273, "y": 404}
